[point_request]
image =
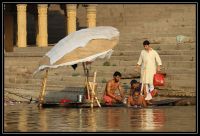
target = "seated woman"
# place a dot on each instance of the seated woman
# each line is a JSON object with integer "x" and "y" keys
{"x": 135, "y": 99}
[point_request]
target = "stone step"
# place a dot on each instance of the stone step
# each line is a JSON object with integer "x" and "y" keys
{"x": 116, "y": 62}
{"x": 179, "y": 86}
{"x": 38, "y": 54}
{"x": 168, "y": 83}
{"x": 34, "y": 61}
{"x": 39, "y": 51}
{"x": 66, "y": 77}
{"x": 133, "y": 62}
{"x": 169, "y": 68}
{"x": 163, "y": 57}
{"x": 160, "y": 52}
{"x": 183, "y": 91}
{"x": 183, "y": 83}
{"x": 33, "y": 49}
{"x": 115, "y": 53}
{"x": 129, "y": 46}
{"x": 38, "y": 86}
{"x": 165, "y": 64}
{"x": 26, "y": 71}
{"x": 168, "y": 22}
{"x": 101, "y": 86}
{"x": 25, "y": 54}
{"x": 37, "y": 90}
{"x": 104, "y": 78}
{"x": 28, "y": 93}
{"x": 101, "y": 71}
{"x": 126, "y": 49}
{"x": 158, "y": 30}
{"x": 22, "y": 61}
{"x": 171, "y": 80}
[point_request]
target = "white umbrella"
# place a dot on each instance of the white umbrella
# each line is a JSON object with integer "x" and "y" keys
{"x": 82, "y": 46}
{"x": 85, "y": 45}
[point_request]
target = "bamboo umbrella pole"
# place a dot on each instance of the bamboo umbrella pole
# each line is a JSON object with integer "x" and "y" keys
{"x": 92, "y": 89}
{"x": 94, "y": 95}
{"x": 97, "y": 101}
{"x": 43, "y": 89}
{"x": 92, "y": 86}
{"x": 87, "y": 84}
{"x": 86, "y": 80}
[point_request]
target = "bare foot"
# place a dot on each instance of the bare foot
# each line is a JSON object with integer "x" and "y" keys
{"x": 149, "y": 103}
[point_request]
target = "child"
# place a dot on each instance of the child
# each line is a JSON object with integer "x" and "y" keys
{"x": 135, "y": 99}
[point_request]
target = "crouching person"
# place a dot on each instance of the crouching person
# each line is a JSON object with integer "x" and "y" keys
{"x": 135, "y": 98}
{"x": 110, "y": 97}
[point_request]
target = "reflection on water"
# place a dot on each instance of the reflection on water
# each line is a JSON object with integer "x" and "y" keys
{"x": 147, "y": 119}
{"x": 28, "y": 118}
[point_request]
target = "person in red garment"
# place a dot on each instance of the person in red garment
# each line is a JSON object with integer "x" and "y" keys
{"x": 110, "y": 96}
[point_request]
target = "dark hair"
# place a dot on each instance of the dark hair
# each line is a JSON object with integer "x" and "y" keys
{"x": 146, "y": 42}
{"x": 133, "y": 82}
{"x": 117, "y": 74}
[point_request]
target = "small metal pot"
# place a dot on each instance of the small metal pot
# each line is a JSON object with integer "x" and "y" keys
{"x": 80, "y": 98}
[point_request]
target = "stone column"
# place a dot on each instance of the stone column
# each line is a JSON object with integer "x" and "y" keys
{"x": 91, "y": 15}
{"x": 71, "y": 18}
{"x": 21, "y": 25}
{"x": 42, "y": 36}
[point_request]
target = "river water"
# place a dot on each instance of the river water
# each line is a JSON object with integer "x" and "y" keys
{"x": 29, "y": 118}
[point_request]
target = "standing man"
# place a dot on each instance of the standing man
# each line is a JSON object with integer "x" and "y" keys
{"x": 150, "y": 63}
{"x": 112, "y": 85}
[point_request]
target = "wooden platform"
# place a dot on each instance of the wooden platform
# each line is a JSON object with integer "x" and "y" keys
{"x": 68, "y": 105}
{"x": 164, "y": 102}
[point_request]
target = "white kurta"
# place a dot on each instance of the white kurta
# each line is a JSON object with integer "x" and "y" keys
{"x": 148, "y": 61}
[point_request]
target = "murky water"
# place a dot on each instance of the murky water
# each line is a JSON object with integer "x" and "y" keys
{"x": 28, "y": 118}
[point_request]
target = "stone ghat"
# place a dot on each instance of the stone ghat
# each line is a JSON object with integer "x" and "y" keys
{"x": 71, "y": 93}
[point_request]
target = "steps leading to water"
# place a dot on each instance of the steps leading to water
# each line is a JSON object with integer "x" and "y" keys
{"x": 136, "y": 22}
{"x": 19, "y": 71}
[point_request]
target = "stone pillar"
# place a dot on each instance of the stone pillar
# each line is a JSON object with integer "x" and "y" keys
{"x": 21, "y": 25}
{"x": 42, "y": 36}
{"x": 91, "y": 15}
{"x": 71, "y": 18}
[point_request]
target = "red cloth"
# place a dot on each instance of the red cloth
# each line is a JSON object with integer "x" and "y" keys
{"x": 62, "y": 101}
{"x": 154, "y": 92}
{"x": 107, "y": 99}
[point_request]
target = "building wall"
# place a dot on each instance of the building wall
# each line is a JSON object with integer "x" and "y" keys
{"x": 153, "y": 21}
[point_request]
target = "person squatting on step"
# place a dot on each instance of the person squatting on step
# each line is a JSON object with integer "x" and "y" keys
{"x": 112, "y": 85}
{"x": 135, "y": 98}
{"x": 150, "y": 63}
